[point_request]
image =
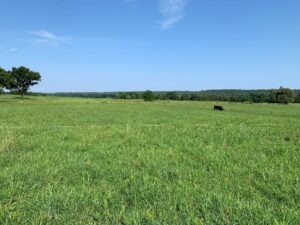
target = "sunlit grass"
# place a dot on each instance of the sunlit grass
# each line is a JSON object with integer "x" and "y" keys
{"x": 89, "y": 161}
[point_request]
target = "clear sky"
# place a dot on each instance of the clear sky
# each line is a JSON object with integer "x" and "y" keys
{"x": 127, "y": 45}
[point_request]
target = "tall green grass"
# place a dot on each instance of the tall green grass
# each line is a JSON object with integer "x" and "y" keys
{"x": 87, "y": 161}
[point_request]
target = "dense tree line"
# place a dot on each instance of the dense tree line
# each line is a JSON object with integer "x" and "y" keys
{"x": 19, "y": 80}
{"x": 281, "y": 95}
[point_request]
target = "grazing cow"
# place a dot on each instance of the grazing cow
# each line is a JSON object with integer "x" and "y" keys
{"x": 218, "y": 108}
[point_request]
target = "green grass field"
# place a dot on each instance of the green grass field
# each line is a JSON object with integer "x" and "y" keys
{"x": 87, "y": 161}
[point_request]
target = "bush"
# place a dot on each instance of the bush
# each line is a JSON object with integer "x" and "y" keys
{"x": 297, "y": 100}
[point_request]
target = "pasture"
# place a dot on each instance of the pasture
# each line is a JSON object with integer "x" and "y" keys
{"x": 102, "y": 161}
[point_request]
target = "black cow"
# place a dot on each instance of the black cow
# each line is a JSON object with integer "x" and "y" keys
{"x": 218, "y": 108}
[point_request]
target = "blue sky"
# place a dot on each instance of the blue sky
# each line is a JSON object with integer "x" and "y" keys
{"x": 126, "y": 45}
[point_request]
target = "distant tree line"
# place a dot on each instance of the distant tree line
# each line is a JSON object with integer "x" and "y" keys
{"x": 281, "y": 95}
{"x": 19, "y": 80}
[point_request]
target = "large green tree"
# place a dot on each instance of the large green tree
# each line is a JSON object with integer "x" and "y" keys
{"x": 3, "y": 78}
{"x": 148, "y": 96}
{"x": 20, "y": 79}
{"x": 284, "y": 95}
